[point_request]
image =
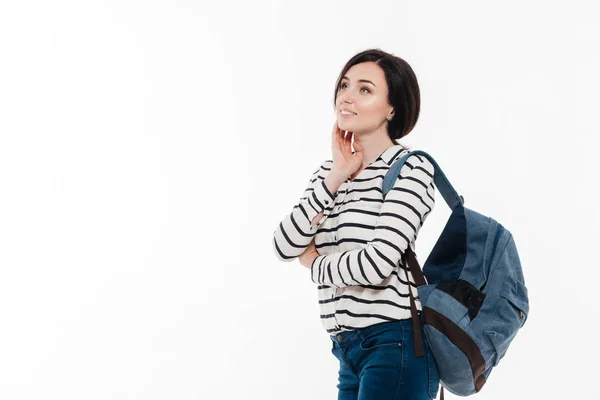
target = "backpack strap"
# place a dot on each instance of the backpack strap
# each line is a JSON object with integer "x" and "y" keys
{"x": 410, "y": 261}
{"x": 416, "y": 321}
{"x": 439, "y": 179}
{"x": 454, "y": 200}
{"x": 415, "y": 270}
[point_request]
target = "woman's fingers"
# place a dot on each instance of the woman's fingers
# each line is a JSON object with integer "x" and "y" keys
{"x": 347, "y": 150}
{"x": 333, "y": 135}
{"x": 337, "y": 139}
{"x": 341, "y": 145}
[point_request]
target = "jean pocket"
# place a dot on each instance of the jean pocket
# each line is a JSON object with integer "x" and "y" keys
{"x": 381, "y": 341}
{"x": 335, "y": 350}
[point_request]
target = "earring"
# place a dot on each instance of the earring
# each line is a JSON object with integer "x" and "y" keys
{"x": 389, "y": 118}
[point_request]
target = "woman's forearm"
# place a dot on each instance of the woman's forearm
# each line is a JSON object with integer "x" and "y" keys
{"x": 333, "y": 181}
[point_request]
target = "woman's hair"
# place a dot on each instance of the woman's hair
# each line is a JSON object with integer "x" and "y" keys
{"x": 403, "y": 89}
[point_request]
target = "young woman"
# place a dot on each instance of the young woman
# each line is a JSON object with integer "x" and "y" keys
{"x": 352, "y": 239}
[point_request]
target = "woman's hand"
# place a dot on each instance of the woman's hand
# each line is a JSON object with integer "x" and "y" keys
{"x": 308, "y": 256}
{"x": 344, "y": 161}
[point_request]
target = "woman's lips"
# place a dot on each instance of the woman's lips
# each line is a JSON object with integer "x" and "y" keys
{"x": 347, "y": 115}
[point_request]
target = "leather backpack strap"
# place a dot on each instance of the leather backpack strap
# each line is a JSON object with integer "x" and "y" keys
{"x": 416, "y": 321}
{"x": 415, "y": 269}
{"x": 419, "y": 278}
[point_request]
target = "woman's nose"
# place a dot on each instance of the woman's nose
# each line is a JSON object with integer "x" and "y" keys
{"x": 347, "y": 98}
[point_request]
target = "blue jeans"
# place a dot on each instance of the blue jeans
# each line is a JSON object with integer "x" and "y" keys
{"x": 378, "y": 362}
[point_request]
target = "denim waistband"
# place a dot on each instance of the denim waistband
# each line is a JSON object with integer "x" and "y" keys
{"x": 360, "y": 333}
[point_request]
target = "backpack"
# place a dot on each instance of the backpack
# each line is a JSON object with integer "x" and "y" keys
{"x": 475, "y": 299}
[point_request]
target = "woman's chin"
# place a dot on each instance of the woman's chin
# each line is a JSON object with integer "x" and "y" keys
{"x": 345, "y": 126}
{"x": 350, "y": 128}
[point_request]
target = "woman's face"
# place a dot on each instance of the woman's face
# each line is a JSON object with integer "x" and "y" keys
{"x": 368, "y": 99}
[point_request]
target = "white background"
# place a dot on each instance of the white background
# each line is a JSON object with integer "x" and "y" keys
{"x": 149, "y": 149}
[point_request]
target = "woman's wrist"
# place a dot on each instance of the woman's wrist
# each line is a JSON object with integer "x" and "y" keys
{"x": 307, "y": 259}
{"x": 334, "y": 180}
{"x": 312, "y": 260}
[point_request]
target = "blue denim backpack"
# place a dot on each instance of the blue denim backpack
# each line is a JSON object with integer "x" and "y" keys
{"x": 474, "y": 300}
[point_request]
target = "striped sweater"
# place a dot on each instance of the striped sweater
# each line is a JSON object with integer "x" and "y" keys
{"x": 360, "y": 277}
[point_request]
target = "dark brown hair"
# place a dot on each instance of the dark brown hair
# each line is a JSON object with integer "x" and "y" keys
{"x": 403, "y": 89}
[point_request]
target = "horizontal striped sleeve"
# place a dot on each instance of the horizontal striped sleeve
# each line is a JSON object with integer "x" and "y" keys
{"x": 295, "y": 232}
{"x": 402, "y": 214}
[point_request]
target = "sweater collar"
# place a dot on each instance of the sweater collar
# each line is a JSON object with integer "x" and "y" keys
{"x": 391, "y": 154}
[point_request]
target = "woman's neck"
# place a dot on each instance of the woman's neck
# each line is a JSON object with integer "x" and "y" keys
{"x": 371, "y": 151}
{"x": 370, "y": 154}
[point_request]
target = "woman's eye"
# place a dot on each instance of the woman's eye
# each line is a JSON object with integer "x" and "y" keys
{"x": 343, "y": 84}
